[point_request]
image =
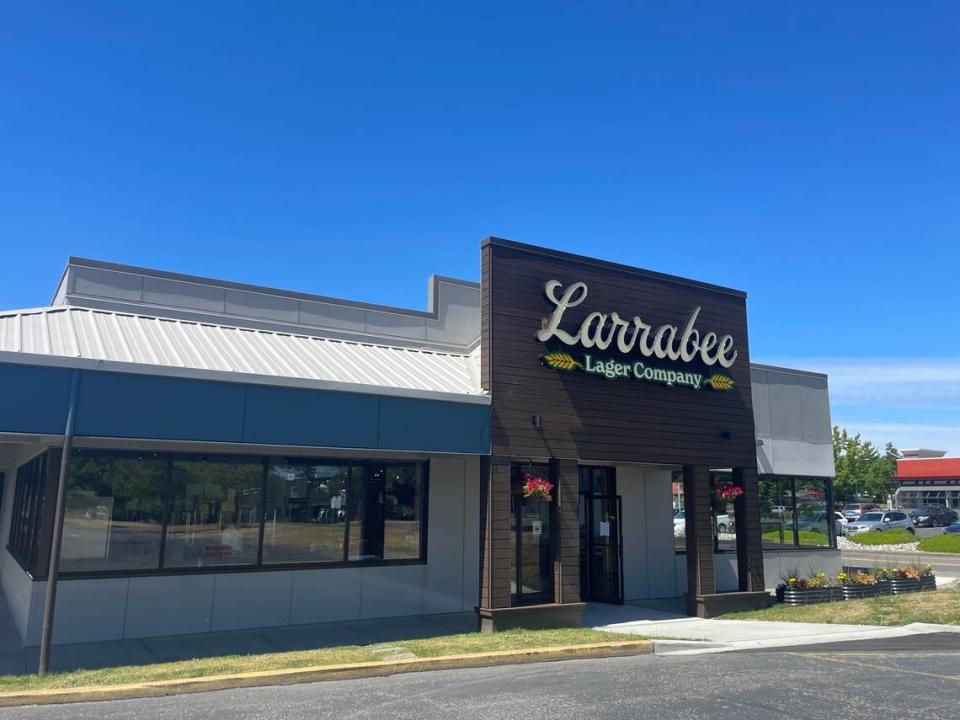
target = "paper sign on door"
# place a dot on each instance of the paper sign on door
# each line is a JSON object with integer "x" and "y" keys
{"x": 604, "y": 529}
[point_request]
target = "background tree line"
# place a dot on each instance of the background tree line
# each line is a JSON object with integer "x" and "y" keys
{"x": 863, "y": 470}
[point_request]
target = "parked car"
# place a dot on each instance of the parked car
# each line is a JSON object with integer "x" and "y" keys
{"x": 933, "y": 516}
{"x": 818, "y": 521}
{"x": 880, "y": 520}
{"x": 725, "y": 523}
{"x": 955, "y": 528}
{"x": 852, "y": 511}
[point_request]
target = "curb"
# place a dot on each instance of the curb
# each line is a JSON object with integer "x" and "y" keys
{"x": 159, "y": 688}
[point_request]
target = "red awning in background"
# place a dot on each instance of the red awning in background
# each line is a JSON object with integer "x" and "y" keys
{"x": 928, "y": 468}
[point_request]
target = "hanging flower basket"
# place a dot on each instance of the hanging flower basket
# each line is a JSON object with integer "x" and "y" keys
{"x": 728, "y": 492}
{"x": 535, "y": 487}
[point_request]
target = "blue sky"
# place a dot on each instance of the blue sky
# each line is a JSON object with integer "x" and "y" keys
{"x": 808, "y": 153}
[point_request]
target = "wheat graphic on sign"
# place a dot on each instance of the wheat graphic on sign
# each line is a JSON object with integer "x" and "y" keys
{"x": 561, "y": 361}
{"x": 720, "y": 382}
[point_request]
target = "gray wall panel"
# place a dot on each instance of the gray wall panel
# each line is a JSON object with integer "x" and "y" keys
{"x": 257, "y": 305}
{"x": 660, "y": 539}
{"x": 390, "y": 591}
{"x": 173, "y": 293}
{"x": 445, "y": 540}
{"x": 252, "y": 600}
{"x": 815, "y": 405}
{"x": 88, "y": 610}
{"x": 785, "y": 418}
{"x": 471, "y": 533}
{"x": 631, "y": 486}
{"x": 105, "y": 283}
{"x": 759, "y": 379}
{"x": 172, "y": 605}
{"x": 325, "y": 595}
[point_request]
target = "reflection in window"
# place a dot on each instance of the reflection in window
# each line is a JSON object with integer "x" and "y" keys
{"x": 401, "y": 511}
{"x": 531, "y": 528}
{"x": 776, "y": 510}
{"x": 724, "y": 513}
{"x": 113, "y": 515}
{"x": 27, "y": 512}
{"x": 215, "y": 513}
{"x": 794, "y": 512}
{"x": 305, "y": 512}
{"x": 679, "y": 512}
{"x": 813, "y": 518}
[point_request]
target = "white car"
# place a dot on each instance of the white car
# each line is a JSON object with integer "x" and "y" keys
{"x": 725, "y": 524}
{"x": 880, "y": 520}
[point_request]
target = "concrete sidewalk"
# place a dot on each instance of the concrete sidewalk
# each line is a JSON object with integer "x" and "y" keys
{"x": 679, "y": 634}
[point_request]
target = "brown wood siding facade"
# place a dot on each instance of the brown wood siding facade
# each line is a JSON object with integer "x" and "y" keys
{"x": 589, "y": 417}
{"x": 586, "y": 417}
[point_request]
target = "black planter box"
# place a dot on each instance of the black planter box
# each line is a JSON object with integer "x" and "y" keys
{"x": 901, "y": 586}
{"x": 811, "y": 597}
{"x": 859, "y": 592}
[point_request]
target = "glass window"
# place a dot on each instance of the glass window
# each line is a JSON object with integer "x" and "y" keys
{"x": 26, "y": 515}
{"x": 356, "y": 512}
{"x": 679, "y": 512}
{"x": 813, "y": 518}
{"x": 724, "y": 514}
{"x": 776, "y": 510}
{"x": 214, "y": 513}
{"x": 305, "y": 512}
{"x": 113, "y": 515}
{"x": 531, "y": 526}
{"x": 401, "y": 527}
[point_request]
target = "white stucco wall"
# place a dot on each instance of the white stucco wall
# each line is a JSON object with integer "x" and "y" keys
{"x": 111, "y": 609}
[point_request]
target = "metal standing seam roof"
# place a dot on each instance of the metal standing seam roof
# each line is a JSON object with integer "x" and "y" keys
{"x": 158, "y": 344}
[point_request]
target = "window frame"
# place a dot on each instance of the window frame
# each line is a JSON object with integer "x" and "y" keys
{"x": 38, "y": 571}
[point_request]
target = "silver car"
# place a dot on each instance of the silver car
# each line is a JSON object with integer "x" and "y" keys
{"x": 880, "y": 520}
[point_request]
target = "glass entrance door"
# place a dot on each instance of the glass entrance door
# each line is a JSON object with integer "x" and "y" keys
{"x": 531, "y": 527}
{"x": 601, "y": 557}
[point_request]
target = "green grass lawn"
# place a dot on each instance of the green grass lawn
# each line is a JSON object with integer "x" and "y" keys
{"x": 463, "y": 644}
{"x": 940, "y": 606}
{"x": 941, "y": 543}
{"x": 807, "y": 537}
{"x": 898, "y": 536}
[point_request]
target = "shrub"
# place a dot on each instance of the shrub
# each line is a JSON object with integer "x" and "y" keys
{"x": 941, "y": 543}
{"x": 883, "y": 537}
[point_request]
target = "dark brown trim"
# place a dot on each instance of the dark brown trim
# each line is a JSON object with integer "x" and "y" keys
{"x": 606, "y": 265}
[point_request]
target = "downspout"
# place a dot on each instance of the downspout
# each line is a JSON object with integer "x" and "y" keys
{"x": 53, "y": 570}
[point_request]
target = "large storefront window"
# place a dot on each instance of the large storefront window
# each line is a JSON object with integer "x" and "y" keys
{"x": 794, "y": 512}
{"x": 129, "y": 512}
{"x": 306, "y": 512}
{"x": 401, "y": 508}
{"x": 214, "y": 513}
{"x": 113, "y": 518}
{"x": 531, "y": 527}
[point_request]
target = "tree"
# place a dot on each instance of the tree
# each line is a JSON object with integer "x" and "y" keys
{"x": 863, "y": 472}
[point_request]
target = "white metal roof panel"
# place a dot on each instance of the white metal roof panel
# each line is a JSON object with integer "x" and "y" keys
{"x": 116, "y": 340}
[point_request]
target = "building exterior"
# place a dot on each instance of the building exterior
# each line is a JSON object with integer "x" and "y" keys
{"x": 568, "y": 430}
{"x": 927, "y": 477}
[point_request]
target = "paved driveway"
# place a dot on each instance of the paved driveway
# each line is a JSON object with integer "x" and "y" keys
{"x": 746, "y": 686}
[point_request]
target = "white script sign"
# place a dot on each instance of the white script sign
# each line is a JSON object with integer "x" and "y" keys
{"x": 601, "y": 330}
